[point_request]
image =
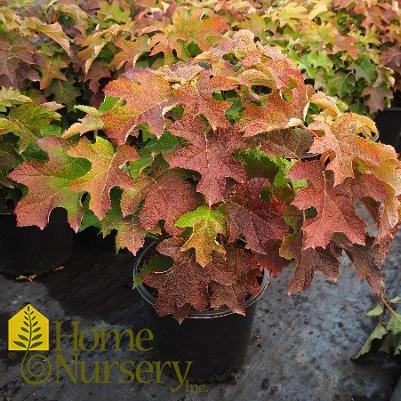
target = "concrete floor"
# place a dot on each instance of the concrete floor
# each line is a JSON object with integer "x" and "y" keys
{"x": 300, "y": 348}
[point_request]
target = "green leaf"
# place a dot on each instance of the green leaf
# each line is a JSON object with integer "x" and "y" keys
{"x": 108, "y": 103}
{"x": 22, "y": 337}
{"x": 397, "y": 350}
{"x": 36, "y": 344}
{"x": 89, "y": 219}
{"x": 10, "y": 97}
{"x": 50, "y": 130}
{"x": 24, "y": 330}
{"x": 36, "y": 330}
{"x": 376, "y": 311}
{"x": 113, "y": 12}
{"x": 129, "y": 234}
{"x": 234, "y": 112}
{"x": 365, "y": 69}
{"x": 340, "y": 84}
{"x": 390, "y": 343}
{"x": 9, "y": 158}
{"x": 88, "y": 110}
{"x": 378, "y": 333}
{"x": 64, "y": 92}
{"x": 258, "y": 164}
{"x": 91, "y": 122}
{"x": 394, "y": 324}
{"x": 316, "y": 60}
{"x": 150, "y": 149}
{"x": 27, "y": 120}
{"x": 157, "y": 263}
{"x": 206, "y": 223}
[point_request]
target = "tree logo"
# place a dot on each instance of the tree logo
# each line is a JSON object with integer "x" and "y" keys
{"x": 28, "y": 330}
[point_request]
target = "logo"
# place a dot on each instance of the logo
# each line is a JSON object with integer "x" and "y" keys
{"x": 28, "y": 330}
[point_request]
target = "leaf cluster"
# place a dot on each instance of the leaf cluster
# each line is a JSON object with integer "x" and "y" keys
{"x": 211, "y": 155}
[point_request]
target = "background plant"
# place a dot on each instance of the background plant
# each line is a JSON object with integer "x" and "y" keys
{"x": 341, "y": 54}
{"x": 72, "y": 50}
{"x": 22, "y": 123}
{"x": 382, "y": 17}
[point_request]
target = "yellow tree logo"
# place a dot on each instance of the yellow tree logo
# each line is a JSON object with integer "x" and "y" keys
{"x": 28, "y": 330}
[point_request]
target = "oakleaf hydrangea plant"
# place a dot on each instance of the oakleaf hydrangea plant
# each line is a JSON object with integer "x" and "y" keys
{"x": 235, "y": 164}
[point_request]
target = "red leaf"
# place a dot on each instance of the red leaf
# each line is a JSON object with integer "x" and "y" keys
{"x": 343, "y": 145}
{"x": 48, "y": 186}
{"x": 334, "y": 206}
{"x": 392, "y": 58}
{"x": 235, "y": 278}
{"x": 197, "y": 99}
{"x": 292, "y": 143}
{"x": 276, "y": 114}
{"x": 210, "y": 154}
{"x": 376, "y": 97}
{"x": 346, "y": 44}
{"x": 366, "y": 260}
{"x": 271, "y": 259}
{"x": 257, "y": 220}
{"x": 130, "y": 51}
{"x": 174, "y": 290}
{"x": 50, "y": 68}
{"x": 308, "y": 261}
{"x": 230, "y": 281}
{"x": 146, "y": 95}
{"x": 16, "y": 58}
{"x": 98, "y": 71}
{"x": 167, "y": 198}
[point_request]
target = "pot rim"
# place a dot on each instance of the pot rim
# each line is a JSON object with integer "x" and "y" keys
{"x": 208, "y": 314}
{"x": 6, "y": 212}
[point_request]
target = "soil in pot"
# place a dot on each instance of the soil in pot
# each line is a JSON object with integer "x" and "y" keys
{"x": 30, "y": 250}
{"x": 215, "y": 341}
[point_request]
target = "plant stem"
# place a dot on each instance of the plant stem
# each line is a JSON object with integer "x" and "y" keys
{"x": 388, "y": 306}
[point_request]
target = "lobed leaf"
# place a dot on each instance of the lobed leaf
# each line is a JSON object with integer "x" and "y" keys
{"x": 49, "y": 185}
{"x": 206, "y": 224}
{"x": 105, "y": 173}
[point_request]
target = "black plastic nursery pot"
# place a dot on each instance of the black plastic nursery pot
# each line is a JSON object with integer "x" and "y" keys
{"x": 215, "y": 341}
{"x": 30, "y": 250}
{"x": 388, "y": 122}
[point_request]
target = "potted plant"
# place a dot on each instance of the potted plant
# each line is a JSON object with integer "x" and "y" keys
{"x": 24, "y": 123}
{"x": 209, "y": 156}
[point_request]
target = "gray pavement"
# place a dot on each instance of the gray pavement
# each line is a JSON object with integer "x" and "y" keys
{"x": 300, "y": 348}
